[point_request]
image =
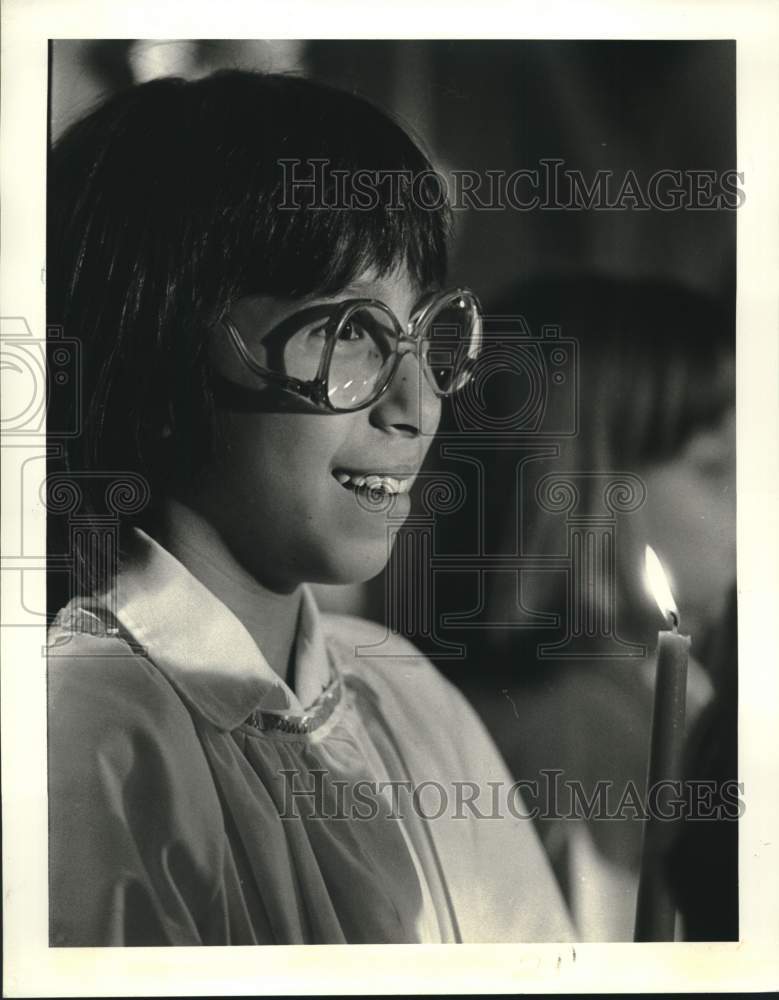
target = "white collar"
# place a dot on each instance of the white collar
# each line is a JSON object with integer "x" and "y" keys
{"x": 201, "y": 646}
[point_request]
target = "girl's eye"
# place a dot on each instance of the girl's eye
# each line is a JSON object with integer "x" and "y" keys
{"x": 351, "y": 331}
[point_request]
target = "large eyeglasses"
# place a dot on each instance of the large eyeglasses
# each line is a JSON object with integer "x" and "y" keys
{"x": 344, "y": 360}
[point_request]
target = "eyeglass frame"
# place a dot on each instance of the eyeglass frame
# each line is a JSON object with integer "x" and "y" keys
{"x": 315, "y": 390}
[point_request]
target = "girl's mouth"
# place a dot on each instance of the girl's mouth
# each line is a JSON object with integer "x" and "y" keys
{"x": 379, "y": 481}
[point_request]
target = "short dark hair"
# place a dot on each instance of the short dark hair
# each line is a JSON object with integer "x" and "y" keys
{"x": 655, "y": 360}
{"x": 164, "y": 207}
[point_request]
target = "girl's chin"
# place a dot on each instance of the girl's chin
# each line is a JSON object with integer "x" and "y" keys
{"x": 357, "y": 562}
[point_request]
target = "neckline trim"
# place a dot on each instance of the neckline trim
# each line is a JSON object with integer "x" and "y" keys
{"x": 291, "y": 723}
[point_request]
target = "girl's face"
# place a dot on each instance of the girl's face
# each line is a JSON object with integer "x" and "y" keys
{"x": 274, "y": 492}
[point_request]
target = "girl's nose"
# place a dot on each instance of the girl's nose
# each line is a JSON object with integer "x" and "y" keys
{"x": 409, "y": 404}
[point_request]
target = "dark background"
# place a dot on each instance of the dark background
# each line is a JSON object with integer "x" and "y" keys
{"x": 496, "y": 105}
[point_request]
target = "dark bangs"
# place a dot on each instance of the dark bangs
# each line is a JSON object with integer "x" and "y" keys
{"x": 270, "y": 164}
{"x": 662, "y": 366}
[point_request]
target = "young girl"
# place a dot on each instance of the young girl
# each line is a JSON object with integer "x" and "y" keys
{"x": 226, "y": 764}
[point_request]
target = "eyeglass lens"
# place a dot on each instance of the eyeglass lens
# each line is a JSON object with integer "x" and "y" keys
{"x": 362, "y": 355}
{"x": 453, "y": 337}
{"x": 365, "y": 345}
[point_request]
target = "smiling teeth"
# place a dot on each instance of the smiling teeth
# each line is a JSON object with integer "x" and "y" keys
{"x": 388, "y": 484}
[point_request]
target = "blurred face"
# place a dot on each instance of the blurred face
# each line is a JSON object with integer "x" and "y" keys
{"x": 286, "y": 488}
{"x": 690, "y": 520}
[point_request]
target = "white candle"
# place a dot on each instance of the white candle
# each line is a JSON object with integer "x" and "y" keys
{"x": 655, "y": 909}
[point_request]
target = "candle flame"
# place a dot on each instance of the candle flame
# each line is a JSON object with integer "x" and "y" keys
{"x": 657, "y": 584}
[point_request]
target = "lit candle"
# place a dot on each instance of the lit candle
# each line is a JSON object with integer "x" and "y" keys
{"x": 655, "y": 909}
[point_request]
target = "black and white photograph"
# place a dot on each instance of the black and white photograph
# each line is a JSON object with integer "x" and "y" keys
{"x": 388, "y": 534}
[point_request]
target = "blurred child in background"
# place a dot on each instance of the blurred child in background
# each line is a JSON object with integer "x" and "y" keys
{"x": 657, "y": 399}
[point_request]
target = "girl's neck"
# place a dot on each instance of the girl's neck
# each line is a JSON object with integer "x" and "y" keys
{"x": 270, "y": 618}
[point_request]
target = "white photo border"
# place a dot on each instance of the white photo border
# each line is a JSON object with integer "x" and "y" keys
{"x": 31, "y": 968}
